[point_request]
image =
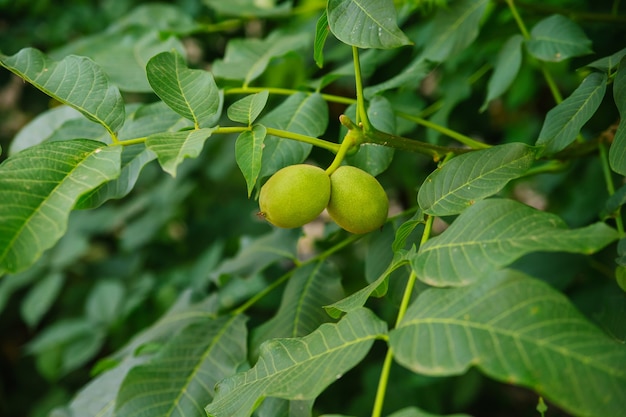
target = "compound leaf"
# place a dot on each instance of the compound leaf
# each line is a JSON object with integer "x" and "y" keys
{"x": 518, "y": 330}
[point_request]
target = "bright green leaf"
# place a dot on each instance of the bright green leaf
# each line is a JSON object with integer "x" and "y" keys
{"x": 557, "y": 38}
{"x": 617, "y": 152}
{"x": 39, "y": 187}
{"x": 248, "y": 108}
{"x": 517, "y": 330}
{"x": 493, "y": 233}
{"x": 249, "y": 153}
{"x": 76, "y": 81}
{"x": 563, "y": 122}
{"x": 366, "y": 23}
{"x": 41, "y": 297}
{"x": 321, "y": 34}
{"x": 299, "y": 368}
{"x": 191, "y": 93}
{"x": 172, "y": 148}
{"x": 180, "y": 379}
{"x": 453, "y": 29}
{"x": 472, "y": 177}
{"x": 506, "y": 68}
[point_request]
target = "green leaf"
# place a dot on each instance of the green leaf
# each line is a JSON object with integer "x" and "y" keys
{"x": 563, "y": 122}
{"x": 453, "y": 29}
{"x": 76, "y": 81}
{"x": 472, "y": 177}
{"x": 250, "y": 8}
{"x": 41, "y": 297}
{"x": 153, "y": 118}
{"x": 410, "y": 77}
{"x": 506, "y": 68}
{"x": 34, "y": 212}
{"x": 493, "y": 233}
{"x": 181, "y": 378}
{"x": 299, "y": 368}
{"x": 248, "y": 108}
{"x": 321, "y": 34}
{"x": 247, "y": 59}
{"x": 617, "y": 152}
{"x": 416, "y": 412}
{"x": 608, "y": 63}
{"x": 105, "y": 301}
{"x": 189, "y": 92}
{"x": 517, "y": 330}
{"x": 249, "y": 152}
{"x": 172, "y": 147}
{"x": 300, "y": 312}
{"x": 557, "y": 38}
{"x": 366, "y": 23}
{"x": 300, "y": 113}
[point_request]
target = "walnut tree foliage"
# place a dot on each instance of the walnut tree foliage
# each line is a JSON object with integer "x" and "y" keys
{"x": 144, "y": 281}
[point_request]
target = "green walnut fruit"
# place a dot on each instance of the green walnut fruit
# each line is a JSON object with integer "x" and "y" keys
{"x": 294, "y": 195}
{"x": 358, "y": 202}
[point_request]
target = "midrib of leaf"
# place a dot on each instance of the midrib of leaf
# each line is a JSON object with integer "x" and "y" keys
{"x": 184, "y": 96}
{"x": 453, "y": 28}
{"x": 192, "y": 375}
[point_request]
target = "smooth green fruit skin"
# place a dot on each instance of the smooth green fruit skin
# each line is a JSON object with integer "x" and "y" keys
{"x": 294, "y": 195}
{"x": 358, "y": 203}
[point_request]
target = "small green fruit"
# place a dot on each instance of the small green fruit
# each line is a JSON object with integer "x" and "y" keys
{"x": 358, "y": 202}
{"x": 294, "y": 195}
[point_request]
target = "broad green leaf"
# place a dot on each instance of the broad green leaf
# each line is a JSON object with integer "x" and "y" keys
{"x": 76, "y": 81}
{"x": 472, "y": 177}
{"x": 300, "y": 113}
{"x": 123, "y": 52}
{"x": 416, "y": 412}
{"x": 41, "y": 297}
{"x": 609, "y": 63}
{"x": 517, "y": 330}
{"x": 191, "y": 93}
{"x": 180, "y": 379}
{"x": 563, "y": 122}
{"x": 247, "y": 59}
{"x": 493, "y": 233}
{"x": 311, "y": 287}
{"x": 250, "y": 8}
{"x": 617, "y": 152}
{"x": 299, "y": 368}
{"x": 365, "y": 23}
{"x": 321, "y": 34}
{"x": 105, "y": 301}
{"x": 39, "y": 187}
{"x": 134, "y": 159}
{"x": 372, "y": 158}
{"x": 249, "y": 152}
{"x": 248, "y": 108}
{"x": 277, "y": 407}
{"x": 153, "y": 118}
{"x": 172, "y": 147}
{"x": 453, "y": 29}
{"x": 557, "y": 38}
{"x": 506, "y": 68}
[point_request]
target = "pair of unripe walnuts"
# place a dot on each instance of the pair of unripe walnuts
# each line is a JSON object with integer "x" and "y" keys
{"x": 297, "y": 194}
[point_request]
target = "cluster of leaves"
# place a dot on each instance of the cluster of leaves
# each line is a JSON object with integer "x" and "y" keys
{"x": 124, "y": 221}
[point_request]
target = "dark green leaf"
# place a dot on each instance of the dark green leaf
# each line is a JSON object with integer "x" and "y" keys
{"x": 517, "y": 330}
{"x": 105, "y": 301}
{"x": 41, "y": 297}
{"x": 248, "y": 108}
{"x": 249, "y": 152}
{"x": 172, "y": 148}
{"x": 39, "y": 187}
{"x": 563, "y": 122}
{"x": 493, "y": 233}
{"x": 76, "y": 81}
{"x": 191, "y": 93}
{"x": 416, "y": 412}
{"x": 505, "y": 69}
{"x": 366, "y": 23}
{"x": 609, "y": 63}
{"x": 472, "y": 177}
{"x": 617, "y": 152}
{"x": 557, "y": 38}
{"x": 410, "y": 77}
{"x": 299, "y": 368}
{"x": 321, "y": 34}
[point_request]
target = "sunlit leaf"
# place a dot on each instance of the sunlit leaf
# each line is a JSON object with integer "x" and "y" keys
{"x": 366, "y": 23}
{"x": 247, "y": 109}
{"x": 191, "y": 93}
{"x": 76, "y": 81}
{"x": 520, "y": 331}
{"x": 617, "y": 152}
{"x": 172, "y": 147}
{"x": 180, "y": 379}
{"x": 557, "y": 38}
{"x": 299, "y": 368}
{"x": 563, "y": 122}
{"x": 493, "y": 233}
{"x": 39, "y": 187}
{"x": 472, "y": 177}
{"x": 506, "y": 68}
{"x": 249, "y": 152}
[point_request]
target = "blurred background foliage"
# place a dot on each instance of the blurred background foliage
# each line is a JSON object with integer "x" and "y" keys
{"x": 121, "y": 266}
